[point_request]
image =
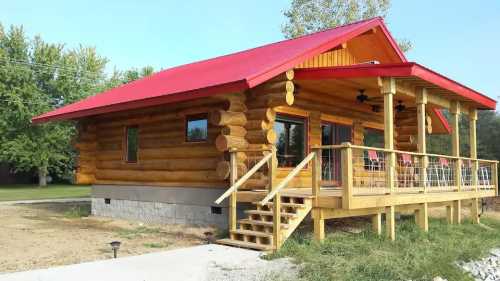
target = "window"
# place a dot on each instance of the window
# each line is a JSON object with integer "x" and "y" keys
{"x": 132, "y": 137}
{"x": 331, "y": 134}
{"x": 196, "y": 128}
{"x": 373, "y": 138}
{"x": 291, "y": 145}
{"x": 374, "y": 160}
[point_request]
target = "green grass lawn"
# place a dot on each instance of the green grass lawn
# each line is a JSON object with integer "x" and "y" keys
{"x": 415, "y": 255}
{"x": 33, "y": 192}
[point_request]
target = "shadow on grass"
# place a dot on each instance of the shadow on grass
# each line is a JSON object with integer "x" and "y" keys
{"x": 415, "y": 255}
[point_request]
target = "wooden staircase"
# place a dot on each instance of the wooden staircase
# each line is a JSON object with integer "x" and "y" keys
{"x": 256, "y": 231}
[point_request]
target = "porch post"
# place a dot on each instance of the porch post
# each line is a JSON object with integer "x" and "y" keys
{"x": 421, "y": 100}
{"x": 233, "y": 177}
{"x": 474, "y": 211}
{"x": 389, "y": 90}
{"x": 455, "y": 145}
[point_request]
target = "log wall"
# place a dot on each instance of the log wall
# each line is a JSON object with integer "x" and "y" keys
{"x": 164, "y": 156}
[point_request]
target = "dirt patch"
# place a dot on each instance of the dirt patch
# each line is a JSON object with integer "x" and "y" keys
{"x": 43, "y": 235}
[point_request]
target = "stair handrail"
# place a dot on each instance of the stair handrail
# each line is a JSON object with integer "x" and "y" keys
{"x": 288, "y": 178}
{"x": 244, "y": 178}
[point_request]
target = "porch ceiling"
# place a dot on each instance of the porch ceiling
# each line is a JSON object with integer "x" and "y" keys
{"x": 408, "y": 75}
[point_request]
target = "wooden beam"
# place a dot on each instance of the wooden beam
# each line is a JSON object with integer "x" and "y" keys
{"x": 388, "y": 90}
{"x": 390, "y": 222}
{"x": 449, "y": 214}
{"x": 455, "y": 141}
{"x": 377, "y": 223}
{"x": 423, "y": 217}
{"x": 473, "y": 147}
{"x": 319, "y": 224}
{"x": 457, "y": 211}
{"x": 347, "y": 176}
{"x": 421, "y": 100}
{"x": 233, "y": 199}
{"x": 474, "y": 211}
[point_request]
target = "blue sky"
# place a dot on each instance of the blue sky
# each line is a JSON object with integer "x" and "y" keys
{"x": 455, "y": 38}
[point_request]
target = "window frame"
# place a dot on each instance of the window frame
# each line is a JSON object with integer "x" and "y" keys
{"x": 194, "y": 117}
{"x": 305, "y": 119}
{"x": 126, "y": 151}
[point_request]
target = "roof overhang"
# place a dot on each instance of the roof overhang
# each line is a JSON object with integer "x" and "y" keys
{"x": 409, "y": 71}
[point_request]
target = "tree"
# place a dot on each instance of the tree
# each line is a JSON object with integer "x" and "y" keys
{"x": 36, "y": 77}
{"x": 308, "y": 16}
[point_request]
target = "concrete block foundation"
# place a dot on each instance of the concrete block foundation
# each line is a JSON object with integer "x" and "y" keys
{"x": 165, "y": 205}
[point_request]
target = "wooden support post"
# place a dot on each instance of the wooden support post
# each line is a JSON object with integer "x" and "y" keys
{"x": 474, "y": 210}
{"x": 423, "y": 217}
{"x": 449, "y": 214}
{"x": 377, "y": 223}
{"x": 233, "y": 176}
{"x": 455, "y": 142}
{"x": 473, "y": 147}
{"x": 319, "y": 224}
{"x": 276, "y": 203}
{"x": 316, "y": 176}
{"x": 390, "y": 222}
{"x": 347, "y": 180}
{"x": 457, "y": 212}
{"x": 388, "y": 90}
{"x": 494, "y": 177}
{"x": 421, "y": 100}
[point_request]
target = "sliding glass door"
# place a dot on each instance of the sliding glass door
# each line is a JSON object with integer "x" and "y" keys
{"x": 331, "y": 134}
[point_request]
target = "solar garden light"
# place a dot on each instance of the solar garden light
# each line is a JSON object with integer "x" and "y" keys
{"x": 209, "y": 236}
{"x": 115, "y": 245}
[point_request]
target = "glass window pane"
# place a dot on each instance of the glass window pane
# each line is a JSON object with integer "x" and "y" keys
{"x": 132, "y": 136}
{"x": 373, "y": 138}
{"x": 291, "y": 142}
{"x": 196, "y": 128}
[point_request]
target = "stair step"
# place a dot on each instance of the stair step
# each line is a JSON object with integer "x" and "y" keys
{"x": 253, "y": 233}
{"x": 291, "y": 205}
{"x": 243, "y": 244}
{"x": 269, "y": 213}
{"x": 265, "y": 223}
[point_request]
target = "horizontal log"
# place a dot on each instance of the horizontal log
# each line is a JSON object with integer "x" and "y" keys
{"x": 264, "y": 114}
{"x": 274, "y": 100}
{"x": 261, "y": 136}
{"x": 288, "y": 75}
{"x": 86, "y": 146}
{"x": 235, "y": 106}
{"x": 206, "y": 184}
{"x": 185, "y": 151}
{"x": 324, "y": 107}
{"x": 235, "y": 131}
{"x": 406, "y": 138}
{"x": 255, "y": 184}
{"x": 274, "y": 87}
{"x": 156, "y": 176}
{"x": 83, "y": 169}
{"x": 110, "y": 155}
{"x": 187, "y": 164}
{"x": 224, "y": 118}
{"x": 224, "y": 143}
{"x": 258, "y": 125}
{"x": 84, "y": 178}
{"x": 224, "y": 169}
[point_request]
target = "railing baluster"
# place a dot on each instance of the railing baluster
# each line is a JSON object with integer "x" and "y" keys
{"x": 276, "y": 203}
{"x": 347, "y": 173}
{"x": 494, "y": 177}
{"x": 316, "y": 175}
{"x": 232, "y": 199}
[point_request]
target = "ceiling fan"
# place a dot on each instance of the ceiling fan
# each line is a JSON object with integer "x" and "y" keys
{"x": 377, "y": 102}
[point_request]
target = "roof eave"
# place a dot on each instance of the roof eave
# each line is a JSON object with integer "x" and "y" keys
{"x": 227, "y": 88}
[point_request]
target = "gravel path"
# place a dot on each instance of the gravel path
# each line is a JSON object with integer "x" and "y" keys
{"x": 487, "y": 269}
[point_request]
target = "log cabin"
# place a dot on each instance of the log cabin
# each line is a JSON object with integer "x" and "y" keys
{"x": 327, "y": 125}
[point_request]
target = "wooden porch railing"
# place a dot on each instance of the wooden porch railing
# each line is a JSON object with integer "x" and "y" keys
{"x": 371, "y": 171}
{"x": 236, "y": 183}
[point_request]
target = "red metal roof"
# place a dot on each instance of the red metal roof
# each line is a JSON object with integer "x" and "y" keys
{"x": 225, "y": 74}
{"x": 405, "y": 69}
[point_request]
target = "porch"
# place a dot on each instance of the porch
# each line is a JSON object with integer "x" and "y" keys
{"x": 347, "y": 180}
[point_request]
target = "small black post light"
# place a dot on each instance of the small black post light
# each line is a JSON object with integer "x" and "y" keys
{"x": 115, "y": 245}
{"x": 209, "y": 236}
